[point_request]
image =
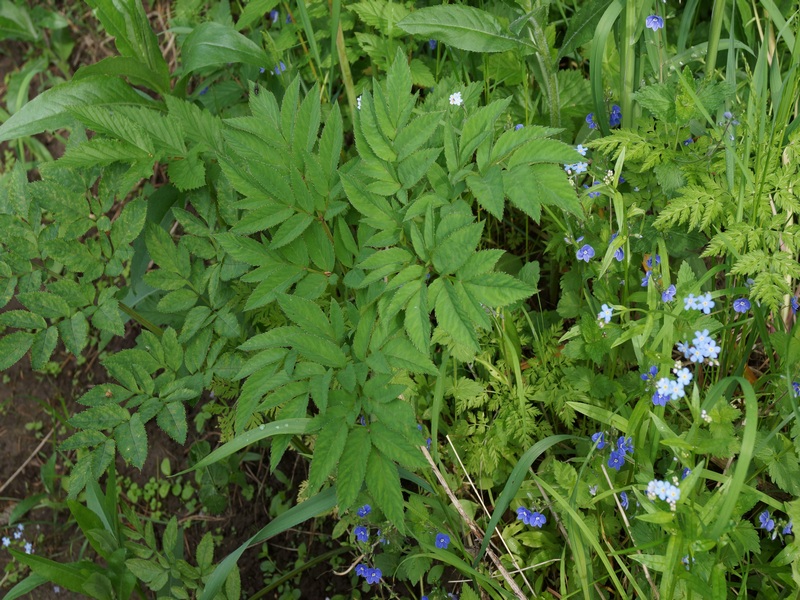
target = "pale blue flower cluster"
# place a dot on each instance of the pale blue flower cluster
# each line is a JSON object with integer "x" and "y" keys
{"x": 371, "y": 575}
{"x": 703, "y": 347}
{"x": 703, "y": 302}
{"x": 531, "y": 517}
{"x": 664, "y": 490}
{"x": 672, "y": 389}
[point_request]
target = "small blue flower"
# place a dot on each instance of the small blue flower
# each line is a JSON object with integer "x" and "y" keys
{"x": 646, "y": 278}
{"x": 705, "y": 303}
{"x": 615, "y": 118}
{"x": 625, "y": 445}
{"x": 262, "y": 70}
{"x": 585, "y": 253}
{"x": 274, "y": 15}
{"x": 581, "y": 149}
{"x": 432, "y": 44}
{"x": 668, "y": 294}
{"x": 688, "y": 141}
{"x": 593, "y": 490}
{"x": 279, "y": 69}
{"x": 537, "y": 519}
{"x": 796, "y": 388}
{"x": 442, "y": 541}
{"x": 590, "y": 121}
{"x": 766, "y": 522}
{"x": 361, "y": 569}
{"x": 524, "y": 515}
{"x": 619, "y": 253}
{"x": 686, "y": 472}
{"x": 373, "y": 576}
{"x": 651, "y": 373}
{"x": 288, "y": 19}
{"x": 364, "y": 511}
{"x": 795, "y": 305}
{"x": 690, "y": 302}
{"x": 741, "y": 305}
{"x": 616, "y": 459}
{"x": 362, "y": 535}
{"x": 623, "y": 500}
{"x": 683, "y": 348}
{"x": 518, "y": 126}
{"x": 654, "y": 22}
{"x": 605, "y": 313}
{"x": 788, "y": 529}
{"x": 660, "y": 399}
{"x": 204, "y": 91}
{"x": 600, "y": 438}
{"x": 684, "y": 376}
{"x": 650, "y": 260}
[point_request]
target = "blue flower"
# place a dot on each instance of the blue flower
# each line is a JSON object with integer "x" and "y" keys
{"x": 361, "y": 570}
{"x": 625, "y": 445}
{"x": 518, "y": 126}
{"x": 605, "y": 313}
{"x": 654, "y": 22}
{"x": 279, "y": 69}
{"x": 204, "y": 91}
{"x": 362, "y": 535}
{"x": 690, "y": 302}
{"x": 581, "y": 150}
{"x": 364, "y": 511}
{"x": 668, "y": 294}
{"x": 585, "y": 253}
{"x": 590, "y": 121}
{"x": 373, "y": 576}
{"x": 688, "y": 141}
{"x": 432, "y": 44}
{"x": 600, "y": 438}
{"x": 741, "y": 305}
{"x": 795, "y": 305}
{"x": 615, "y": 118}
{"x": 684, "y": 376}
{"x": 442, "y": 541}
{"x": 796, "y": 388}
{"x": 683, "y": 348}
{"x": 705, "y": 303}
{"x": 646, "y": 278}
{"x": 651, "y": 373}
{"x": 788, "y": 529}
{"x": 766, "y": 522}
{"x": 619, "y": 253}
{"x": 650, "y": 261}
{"x": 537, "y": 519}
{"x": 616, "y": 459}
{"x": 524, "y": 515}
{"x": 623, "y": 500}
{"x": 686, "y": 472}
{"x": 288, "y": 19}
{"x": 262, "y": 70}
{"x": 660, "y": 399}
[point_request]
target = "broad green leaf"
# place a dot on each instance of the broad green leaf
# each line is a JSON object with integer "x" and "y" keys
{"x": 13, "y": 347}
{"x": 396, "y": 447}
{"x": 172, "y": 419}
{"x": 146, "y": 570}
{"x": 127, "y": 22}
{"x": 48, "y": 111}
{"x": 178, "y": 301}
{"x": 327, "y": 450}
{"x": 187, "y": 172}
{"x": 290, "y": 230}
{"x": 403, "y": 354}
{"x": 16, "y": 23}
{"x": 531, "y": 187}
{"x": 418, "y": 320}
{"x": 544, "y": 151}
{"x": 75, "y": 333}
{"x": 108, "y": 318}
{"x": 582, "y": 25}
{"x": 45, "y": 304}
{"x": 44, "y": 343}
{"x": 452, "y": 252}
{"x": 383, "y": 482}
{"x": 83, "y": 439}
{"x": 479, "y": 126}
{"x": 212, "y": 44}
{"x": 137, "y": 72}
{"x": 69, "y": 575}
{"x": 352, "y": 467}
{"x": 498, "y": 289}
{"x": 488, "y": 190}
{"x": 22, "y": 319}
{"x": 462, "y": 27}
{"x": 105, "y": 416}
{"x": 132, "y": 441}
{"x": 306, "y": 314}
{"x": 453, "y": 318}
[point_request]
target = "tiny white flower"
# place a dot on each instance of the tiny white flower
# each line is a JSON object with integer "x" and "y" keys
{"x": 28, "y": 548}
{"x": 358, "y": 103}
{"x": 6, "y": 542}
{"x": 455, "y": 99}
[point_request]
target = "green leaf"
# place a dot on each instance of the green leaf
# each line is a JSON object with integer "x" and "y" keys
{"x": 544, "y": 151}
{"x": 108, "y": 318}
{"x": 530, "y": 187}
{"x": 582, "y": 25}
{"x": 48, "y": 111}
{"x": 213, "y": 44}
{"x": 290, "y": 230}
{"x": 498, "y": 289}
{"x": 178, "y": 301}
{"x": 44, "y": 342}
{"x": 404, "y": 355}
{"x": 22, "y": 319}
{"x": 105, "y": 416}
{"x": 146, "y": 570}
{"x": 383, "y": 482}
{"x": 327, "y": 450}
{"x": 306, "y": 314}
{"x": 75, "y": 332}
{"x": 453, "y": 318}
{"x": 13, "y": 347}
{"x": 461, "y": 27}
{"x": 69, "y": 575}
{"x": 488, "y": 190}
{"x": 82, "y": 439}
{"x": 418, "y": 320}
{"x": 163, "y": 251}
{"x": 127, "y": 22}
{"x": 45, "y": 304}
{"x": 452, "y": 252}
{"x": 172, "y": 419}
{"x": 396, "y": 447}
{"x": 479, "y": 126}
{"x": 352, "y": 467}
{"x": 187, "y": 172}
{"x": 132, "y": 441}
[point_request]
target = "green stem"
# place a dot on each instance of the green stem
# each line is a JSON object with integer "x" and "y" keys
{"x": 717, "y": 15}
{"x": 141, "y": 320}
{"x": 628, "y": 63}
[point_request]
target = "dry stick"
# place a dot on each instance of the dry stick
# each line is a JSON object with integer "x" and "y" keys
{"x": 628, "y": 527}
{"x": 29, "y": 459}
{"x": 474, "y": 527}
{"x": 486, "y": 510}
